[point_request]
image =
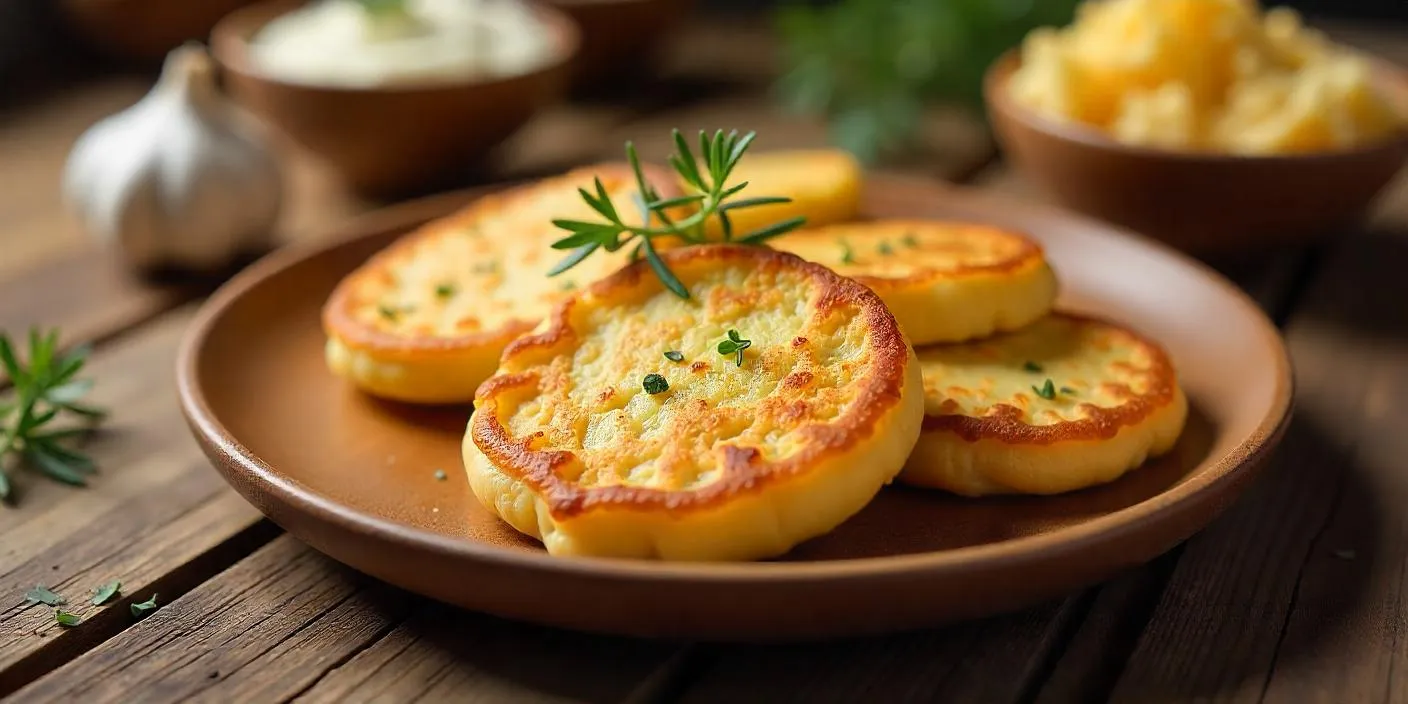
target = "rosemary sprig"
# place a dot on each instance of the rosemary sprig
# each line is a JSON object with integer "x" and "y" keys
{"x": 45, "y": 389}
{"x": 707, "y": 177}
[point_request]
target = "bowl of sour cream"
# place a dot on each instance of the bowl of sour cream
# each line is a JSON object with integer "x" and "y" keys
{"x": 396, "y": 95}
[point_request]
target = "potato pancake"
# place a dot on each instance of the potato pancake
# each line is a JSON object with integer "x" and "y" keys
{"x": 1066, "y": 403}
{"x": 944, "y": 281}
{"x": 764, "y": 410}
{"x": 426, "y": 319}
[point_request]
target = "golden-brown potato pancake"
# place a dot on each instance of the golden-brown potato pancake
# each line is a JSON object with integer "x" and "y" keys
{"x": 1066, "y": 403}
{"x": 426, "y": 319}
{"x": 944, "y": 281}
{"x": 742, "y": 456}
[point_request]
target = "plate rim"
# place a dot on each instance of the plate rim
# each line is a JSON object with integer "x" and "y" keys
{"x": 242, "y": 467}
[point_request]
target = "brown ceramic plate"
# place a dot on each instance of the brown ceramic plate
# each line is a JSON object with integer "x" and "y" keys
{"x": 355, "y": 477}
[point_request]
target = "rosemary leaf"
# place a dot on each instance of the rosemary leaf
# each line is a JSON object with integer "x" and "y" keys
{"x": 667, "y": 277}
{"x": 766, "y": 233}
{"x": 53, "y": 467}
{"x": 573, "y": 259}
{"x": 753, "y": 202}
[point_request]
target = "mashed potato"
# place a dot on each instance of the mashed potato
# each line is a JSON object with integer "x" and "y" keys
{"x": 1210, "y": 75}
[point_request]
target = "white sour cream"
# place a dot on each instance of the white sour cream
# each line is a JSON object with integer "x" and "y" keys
{"x": 338, "y": 43}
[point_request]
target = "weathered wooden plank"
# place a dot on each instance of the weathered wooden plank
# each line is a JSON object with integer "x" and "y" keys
{"x": 263, "y": 630}
{"x": 1297, "y": 594}
{"x": 85, "y": 293}
{"x": 288, "y": 623}
{"x": 994, "y": 660}
{"x": 157, "y": 517}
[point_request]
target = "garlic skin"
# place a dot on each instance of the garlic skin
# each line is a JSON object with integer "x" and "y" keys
{"x": 179, "y": 180}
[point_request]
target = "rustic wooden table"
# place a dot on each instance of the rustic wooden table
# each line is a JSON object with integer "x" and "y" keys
{"x": 1298, "y": 593}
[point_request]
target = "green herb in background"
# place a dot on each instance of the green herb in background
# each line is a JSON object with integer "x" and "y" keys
{"x": 871, "y": 67}
{"x": 707, "y": 177}
{"x": 848, "y": 255}
{"x": 46, "y": 389}
{"x": 66, "y": 619}
{"x": 383, "y": 8}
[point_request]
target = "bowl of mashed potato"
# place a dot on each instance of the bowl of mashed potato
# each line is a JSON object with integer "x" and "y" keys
{"x": 1211, "y": 124}
{"x": 396, "y": 95}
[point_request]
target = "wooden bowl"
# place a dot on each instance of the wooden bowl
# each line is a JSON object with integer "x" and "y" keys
{"x": 1203, "y": 203}
{"x": 144, "y": 30}
{"x": 394, "y": 139}
{"x": 620, "y": 38}
{"x": 355, "y": 478}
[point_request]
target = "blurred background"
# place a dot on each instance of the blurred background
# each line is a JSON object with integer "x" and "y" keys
{"x": 827, "y": 57}
{"x": 898, "y": 83}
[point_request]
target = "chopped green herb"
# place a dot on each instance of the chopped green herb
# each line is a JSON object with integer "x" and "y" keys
{"x": 66, "y": 619}
{"x": 735, "y": 344}
{"x": 440, "y": 475}
{"x": 141, "y": 609}
{"x": 1047, "y": 390}
{"x": 655, "y": 384}
{"x": 674, "y": 356}
{"x": 848, "y": 256}
{"x": 1032, "y": 367}
{"x": 567, "y": 285}
{"x": 884, "y": 249}
{"x": 445, "y": 290}
{"x": 388, "y": 312}
{"x": 1068, "y": 390}
{"x": 43, "y": 595}
{"x": 105, "y": 593}
{"x": 909, "y": 241}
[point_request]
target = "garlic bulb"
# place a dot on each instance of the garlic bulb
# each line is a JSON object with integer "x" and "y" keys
{"x": 179, "y": 180}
